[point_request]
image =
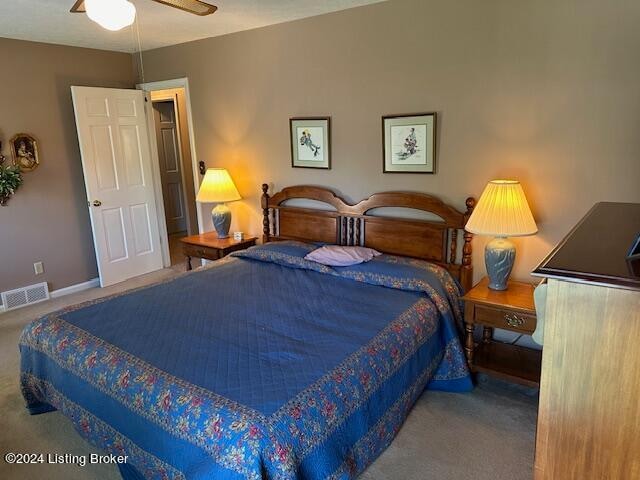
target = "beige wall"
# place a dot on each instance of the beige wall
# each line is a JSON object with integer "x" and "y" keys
{"x": 47, "y": 220}
{"x": 547, "y": 92}
{"x": 543, "y": 91}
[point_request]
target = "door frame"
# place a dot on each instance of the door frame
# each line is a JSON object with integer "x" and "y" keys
{"x": 164, "y": 85}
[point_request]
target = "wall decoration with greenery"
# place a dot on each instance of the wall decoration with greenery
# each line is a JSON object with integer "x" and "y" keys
{"x": 10, "y": 181}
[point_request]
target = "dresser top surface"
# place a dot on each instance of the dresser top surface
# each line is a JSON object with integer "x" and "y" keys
{"x": 595, "y": 251}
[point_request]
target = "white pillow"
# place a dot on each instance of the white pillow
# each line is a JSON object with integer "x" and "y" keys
{"x": 341, "y": 256}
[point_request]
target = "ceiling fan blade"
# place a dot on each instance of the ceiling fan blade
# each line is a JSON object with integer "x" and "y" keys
{"x": 197, "y": 7}
{"x": 78, "y": 7}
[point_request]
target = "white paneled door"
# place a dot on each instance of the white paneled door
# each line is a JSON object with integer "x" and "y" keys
{"x": 117, "y": 163}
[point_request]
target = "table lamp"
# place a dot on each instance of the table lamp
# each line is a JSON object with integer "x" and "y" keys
{"x": 502, "y": 212}
{"x": 217, "y": 187}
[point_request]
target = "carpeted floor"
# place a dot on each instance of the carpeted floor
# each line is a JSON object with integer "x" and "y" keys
{"x": 486, "y": 434}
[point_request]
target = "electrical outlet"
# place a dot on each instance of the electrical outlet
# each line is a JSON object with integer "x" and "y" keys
{"x": 38, "y": 268}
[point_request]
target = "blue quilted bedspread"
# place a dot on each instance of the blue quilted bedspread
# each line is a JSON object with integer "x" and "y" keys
{"x": 262, "y": 366}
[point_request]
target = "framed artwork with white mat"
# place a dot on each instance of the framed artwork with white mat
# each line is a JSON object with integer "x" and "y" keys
{"x": 310, "y": 142}
{"x": 409, "y": 143}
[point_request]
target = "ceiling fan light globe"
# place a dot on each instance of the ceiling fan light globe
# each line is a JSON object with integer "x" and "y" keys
{"x": 112, "y": 15}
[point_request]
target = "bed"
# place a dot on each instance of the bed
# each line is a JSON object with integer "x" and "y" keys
{"x": 265, "y": 365}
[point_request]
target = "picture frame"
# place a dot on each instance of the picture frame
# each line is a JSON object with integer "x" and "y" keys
{"x": 310, "y": 139}
{"x": 409, "y": 143}
{"x": 24, "y": 152}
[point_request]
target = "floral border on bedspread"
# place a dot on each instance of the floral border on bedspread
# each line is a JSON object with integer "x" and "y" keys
{"x": 451, "y": 305}
{"x": 452, "y": 287}
{"x": 373, "y": 443}
{"x": 315, "y": 413}
{"x": 95, "y": 301}
{"x": 204, "y": 418}
{"x": 97, "y": 432}
{"x": 454, "y": 365}
{"x": 187, "y": 411}
{"x": 240, "y": 438}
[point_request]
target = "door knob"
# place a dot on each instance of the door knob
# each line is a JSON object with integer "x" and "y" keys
{"x": 97, "y": 203}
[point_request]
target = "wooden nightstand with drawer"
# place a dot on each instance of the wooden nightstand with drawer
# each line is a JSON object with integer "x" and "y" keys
{"x": 512, "y": 310}
{"x": 209, "y": 246}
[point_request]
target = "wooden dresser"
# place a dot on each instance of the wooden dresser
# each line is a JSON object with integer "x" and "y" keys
{"x": 589, "y": 414}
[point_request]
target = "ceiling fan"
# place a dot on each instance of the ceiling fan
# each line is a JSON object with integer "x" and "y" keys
{"x": 117, "y": 14}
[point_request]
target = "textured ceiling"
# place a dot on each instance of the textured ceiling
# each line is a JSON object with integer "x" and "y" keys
{"x": 49, "y": 21}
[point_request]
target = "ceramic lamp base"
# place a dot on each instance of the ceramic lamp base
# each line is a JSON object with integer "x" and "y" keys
{"x": 499, "y": 255}
{"x": 221, "y": 216}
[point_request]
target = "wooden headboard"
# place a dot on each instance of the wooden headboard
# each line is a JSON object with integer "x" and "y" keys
{"x": 345, "y": 224}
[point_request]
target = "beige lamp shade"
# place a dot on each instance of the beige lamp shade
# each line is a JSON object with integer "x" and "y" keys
{"x": 217, "y": 187}
{"x": 502, "y": 211}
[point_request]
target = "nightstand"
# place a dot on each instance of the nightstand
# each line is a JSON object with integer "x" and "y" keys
{"x": 512, "y": 310}
{"x": 209, "y": 246}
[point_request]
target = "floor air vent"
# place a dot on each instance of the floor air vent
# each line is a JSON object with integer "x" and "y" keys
{"x": 21, "y": 297}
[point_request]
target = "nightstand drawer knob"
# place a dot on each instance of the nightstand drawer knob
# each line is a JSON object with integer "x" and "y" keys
{"x": 514, "y": 320}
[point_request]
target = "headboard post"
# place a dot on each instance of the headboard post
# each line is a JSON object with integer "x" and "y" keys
{"x": 265, "y": 213}
{"x": 466, "y": 274}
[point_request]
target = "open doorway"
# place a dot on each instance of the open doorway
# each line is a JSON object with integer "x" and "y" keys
{"x": 175, "y": 163}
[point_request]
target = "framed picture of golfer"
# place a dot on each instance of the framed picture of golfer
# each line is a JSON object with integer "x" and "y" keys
{"x": 409, "y": 143}
{"x": 310, "y": 142}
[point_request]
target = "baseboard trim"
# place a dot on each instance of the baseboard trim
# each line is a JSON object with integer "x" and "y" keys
{"x": 78, "y": 287}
